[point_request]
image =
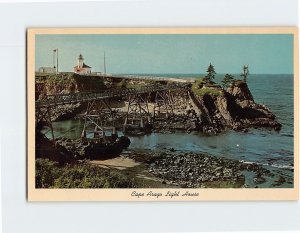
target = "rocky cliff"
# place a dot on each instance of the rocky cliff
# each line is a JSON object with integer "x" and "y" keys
{"x": 65, "y": 83}
{"x": 233, "y": 108}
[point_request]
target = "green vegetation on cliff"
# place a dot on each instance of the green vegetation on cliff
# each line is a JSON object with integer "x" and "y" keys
{"x": 79, "y": 175}
{"x": 200, "y": 89}
{"x": 135, "y": 84}
{"x": 210, "y": 91}
{"x": 71, "y": 82}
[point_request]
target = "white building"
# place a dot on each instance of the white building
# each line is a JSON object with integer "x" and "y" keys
{"x": 50, "y": 70}
{"x": 81, "y": 67}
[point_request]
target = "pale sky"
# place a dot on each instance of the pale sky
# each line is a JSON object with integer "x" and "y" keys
{"x": 183, "y": 54}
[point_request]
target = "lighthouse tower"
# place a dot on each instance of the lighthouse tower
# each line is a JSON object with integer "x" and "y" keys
{"x": 80, "y": 61}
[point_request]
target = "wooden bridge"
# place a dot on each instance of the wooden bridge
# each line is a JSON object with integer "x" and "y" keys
{"x": 100, "y": 113}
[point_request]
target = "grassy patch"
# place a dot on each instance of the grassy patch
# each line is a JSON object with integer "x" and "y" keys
{"x": 89, "y": 83}
{"x": 199, "y": 88}
{"x": 73, "y": 82}
{"x": 224, "y": 184}
{"x": 203, "y": 91}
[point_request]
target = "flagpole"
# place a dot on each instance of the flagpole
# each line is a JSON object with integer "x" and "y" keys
{"x": 54, "y": 58}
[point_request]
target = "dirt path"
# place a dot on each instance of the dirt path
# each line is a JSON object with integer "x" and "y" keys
{"x": 120, "y": 163}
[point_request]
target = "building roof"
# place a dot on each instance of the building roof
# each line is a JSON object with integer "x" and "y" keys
{"x": 83, "y": 66}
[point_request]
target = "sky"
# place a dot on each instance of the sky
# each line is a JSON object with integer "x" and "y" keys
{"x": 167, "y": 54}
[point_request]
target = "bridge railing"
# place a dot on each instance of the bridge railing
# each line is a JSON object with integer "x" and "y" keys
{"x": 72, "y": 98}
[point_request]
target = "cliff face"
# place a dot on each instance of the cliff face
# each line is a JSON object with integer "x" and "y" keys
{"x": 234, "y": 108}
{"x": 65, "y": 83}
{"x": 240, "y": 91}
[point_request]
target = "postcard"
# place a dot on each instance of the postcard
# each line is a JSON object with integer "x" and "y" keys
{"x": 162, "y": 114}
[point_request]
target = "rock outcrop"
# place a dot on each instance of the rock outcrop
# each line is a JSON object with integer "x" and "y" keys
{"x": 240, "y": 91}
{"x": 234, "y": 108}
{"x": 65, "y": 83}
{"x": 64, "y": 150}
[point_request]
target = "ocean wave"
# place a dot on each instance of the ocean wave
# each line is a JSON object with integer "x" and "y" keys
{"x": 246, "y": 162}
{"x": 279, "y": 166}
{"x": 282, "y": 166}
{"x": 287, "y": 135}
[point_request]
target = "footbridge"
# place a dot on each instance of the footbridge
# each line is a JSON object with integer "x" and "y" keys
{"x": 101, "y": 115}
{"x": 72, "y": 98}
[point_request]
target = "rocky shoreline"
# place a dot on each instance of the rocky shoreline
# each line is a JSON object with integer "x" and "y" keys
{"x": 199, "y": 170}
{"x": 170, "y": 168}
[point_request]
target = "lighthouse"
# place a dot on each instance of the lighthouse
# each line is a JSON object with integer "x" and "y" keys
{"x": 81, "y": 67}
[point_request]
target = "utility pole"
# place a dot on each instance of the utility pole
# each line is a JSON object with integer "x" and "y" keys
{"x": 104, "y": 64}
{"x": 57, "y": 60}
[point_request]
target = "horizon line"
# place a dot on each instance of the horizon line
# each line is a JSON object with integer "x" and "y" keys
{"x": 139, "y": 73}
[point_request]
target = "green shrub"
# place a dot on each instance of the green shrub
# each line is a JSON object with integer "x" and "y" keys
{"x": 46, "y": 173}
{"x": 81, "y": 175}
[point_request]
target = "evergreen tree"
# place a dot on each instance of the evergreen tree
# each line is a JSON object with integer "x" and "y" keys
{"x": 210, "y": 73}
{"x": 228, "y": 80}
